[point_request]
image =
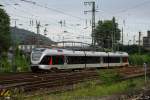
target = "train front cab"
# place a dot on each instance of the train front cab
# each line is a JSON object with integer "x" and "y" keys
{"x": 49, "y": 62}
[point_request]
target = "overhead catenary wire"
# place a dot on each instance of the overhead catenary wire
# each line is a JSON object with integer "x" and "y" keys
{"x": 22, "y": 10}
{"x": 72, "y": 33}
{"x": 53, "y": 9}
{"x": 29, "y": 18}
{"x": 36, "y": 16}
{"x": 28, "y": 2}
{"x": 32, "y": 18}
{"x": 133, "y": 7}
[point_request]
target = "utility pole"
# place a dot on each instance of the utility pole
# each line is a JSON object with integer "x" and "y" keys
{"x": 14, "y": 67}
{"x": 122, "y": 36}
{"x": 139, "y": 43}
{"x": 64, "y": 23}
{"x": 112, "y": 38}
{"x": 123, "y": 32}
{"x": 15, "y": 27}
{"x": 86, "y": 23}
{"x": 134, "y": 40}
{"x": 15, "y": 22}
{"x": 145, "y": 70}
{"x": 114, "y": 35}
{"x": 45, "y": 31}
{"x": 38, "y": 32}
{"x": 61, "y": 23}
{"x": 93, "y": 18}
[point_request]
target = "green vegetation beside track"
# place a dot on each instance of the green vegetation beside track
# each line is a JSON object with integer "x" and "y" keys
{"x": 136, "y": 59}
{"x": 21, "y": 63}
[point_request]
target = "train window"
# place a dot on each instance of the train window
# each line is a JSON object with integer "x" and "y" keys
{"x": 83, "y": 60}
{"x": 111, "y": 59}
{"x": 114, "y": 59}
{"x": 45, "y": 60}
{"x": 92, "y": 60}
{"x": 125, "y": 59}
{"x": 105, "y": 59}
{"x": 52, "y": 60}
{"x": 74, "y": 59}
{"x": 58, "y": 60}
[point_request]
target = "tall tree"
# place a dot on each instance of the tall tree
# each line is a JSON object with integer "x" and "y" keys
{"x": 106, "y": 32}
{"x": 5, "y": 37}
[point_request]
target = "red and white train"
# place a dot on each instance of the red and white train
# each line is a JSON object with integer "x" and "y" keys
{"x": 47, "y": 59}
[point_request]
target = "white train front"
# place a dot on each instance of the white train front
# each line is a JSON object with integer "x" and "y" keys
{"x": 46, "y": 59}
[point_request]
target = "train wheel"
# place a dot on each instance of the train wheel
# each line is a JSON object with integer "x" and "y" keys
{"x": 34, "y": 69}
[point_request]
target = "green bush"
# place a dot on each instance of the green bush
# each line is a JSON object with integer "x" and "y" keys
{"x": 139, "y": 59}
{"x": 20, "y": 61}
{"x": 5, "y": 66}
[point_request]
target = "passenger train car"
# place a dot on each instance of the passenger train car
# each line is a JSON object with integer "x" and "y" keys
{"x": 48, "y": 59}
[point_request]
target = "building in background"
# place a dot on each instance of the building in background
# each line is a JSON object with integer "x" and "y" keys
{"x": 146, "y": 41}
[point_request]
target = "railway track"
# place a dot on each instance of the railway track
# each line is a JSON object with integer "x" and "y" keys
{"x": 28, "y": 82}
{"x": 132, "y": 72}
{"x": 31, "y": 82}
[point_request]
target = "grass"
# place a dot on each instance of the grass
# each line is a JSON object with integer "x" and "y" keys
{"x": 105, "y": 89}
{"x": 109, "y": 76}
{"x": 93, "y": 89}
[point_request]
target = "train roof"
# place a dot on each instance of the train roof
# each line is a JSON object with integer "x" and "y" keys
{"x": 81, "y": 53}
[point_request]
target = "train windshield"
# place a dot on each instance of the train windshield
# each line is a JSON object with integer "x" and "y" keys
{"x": 38, "y": 49}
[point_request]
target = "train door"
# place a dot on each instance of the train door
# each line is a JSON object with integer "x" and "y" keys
{"x": 50, "y": 60}
{"x": 65, "y": 60}
{"x": 58, "y": 60}
{"x": 121, "y": 61}
{"x": 125, "y": 59}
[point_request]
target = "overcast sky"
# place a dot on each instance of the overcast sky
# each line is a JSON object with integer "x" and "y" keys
{"x": 134, "y": 13}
